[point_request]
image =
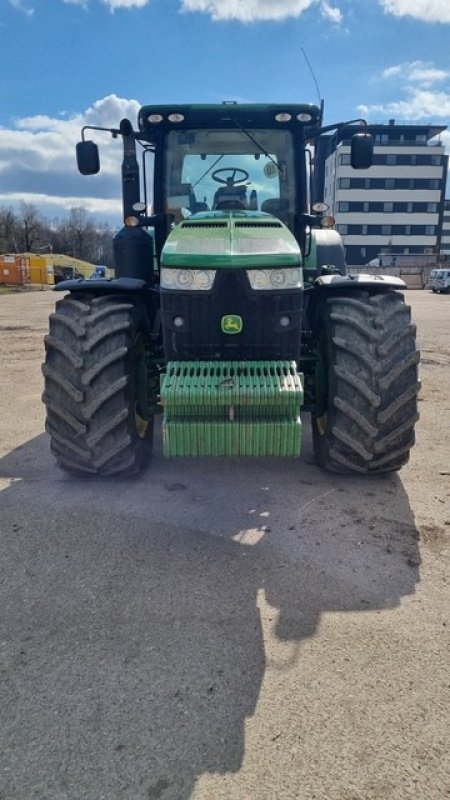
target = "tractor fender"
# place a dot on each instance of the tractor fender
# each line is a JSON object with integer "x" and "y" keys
{"x": 144, "y": 296}
{"x": 360, "y": 281}
{"x": 330, "y": 285}
{"x": 104, "y": 286}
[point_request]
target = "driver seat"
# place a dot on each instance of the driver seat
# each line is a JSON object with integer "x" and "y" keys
{"x": 230, "y": 197}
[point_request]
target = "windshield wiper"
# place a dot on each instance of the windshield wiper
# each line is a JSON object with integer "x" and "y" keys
{"x": 258, "y": 145}
{"x": 208, "y": 171}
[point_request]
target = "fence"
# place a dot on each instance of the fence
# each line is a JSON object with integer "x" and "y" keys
{"x": 414, "y": 277}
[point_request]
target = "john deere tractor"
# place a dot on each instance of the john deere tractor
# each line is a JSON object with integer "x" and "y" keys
{"x": 230, "y": 311}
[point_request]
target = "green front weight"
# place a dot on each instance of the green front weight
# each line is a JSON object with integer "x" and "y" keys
{"x": 232, "y": 408}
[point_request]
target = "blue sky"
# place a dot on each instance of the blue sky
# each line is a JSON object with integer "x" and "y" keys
{"x": 65, "y": 63}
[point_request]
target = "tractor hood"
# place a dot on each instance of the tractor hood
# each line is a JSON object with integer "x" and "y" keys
{"x": 231, "y": 239}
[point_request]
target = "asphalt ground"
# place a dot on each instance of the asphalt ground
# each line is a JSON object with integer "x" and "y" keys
{"x": 239, "y": 629}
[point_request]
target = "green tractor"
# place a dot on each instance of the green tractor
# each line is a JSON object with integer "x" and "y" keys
{"x": 230, "y": 311}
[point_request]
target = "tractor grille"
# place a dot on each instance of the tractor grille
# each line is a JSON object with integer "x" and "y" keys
{"x": 201, "y": 337}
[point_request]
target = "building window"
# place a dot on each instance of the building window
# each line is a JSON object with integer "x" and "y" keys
{"x": 389, "y": 183}
{"x": 386, "y": 230}
{"x": 364, "y": 230}
{"x": 430, "y": 230}
{"x": 344, "y": 183}
{"x": 409, "y": 208}
{"x": 388, "y": 208}
{"x": 391, "y": 159}
{"x": 344, "y": 159}
{"x": 342, "y": 228}
{"x": 343, "y": 207}
{"x": 432, "y": 208}
{"x": 366, "y": 207}
{"x": 407, "y": 230}
{"x": 436, "y": 161}
{"x": 434, "y": 184}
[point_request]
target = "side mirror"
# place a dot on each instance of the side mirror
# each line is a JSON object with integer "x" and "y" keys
{"x": 361, "y": 155}
{"x": 88, "y": 159}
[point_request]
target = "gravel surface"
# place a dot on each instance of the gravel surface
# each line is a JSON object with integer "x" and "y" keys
{"x": 242, "y": 630}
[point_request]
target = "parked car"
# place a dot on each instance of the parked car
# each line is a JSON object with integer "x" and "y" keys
{"x": 66, "y": 274}
{"x": 440, "y": 280}
{"x": 99, "y": 272}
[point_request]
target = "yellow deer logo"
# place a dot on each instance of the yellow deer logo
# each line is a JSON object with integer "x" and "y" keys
{"x": 232, "y": 323}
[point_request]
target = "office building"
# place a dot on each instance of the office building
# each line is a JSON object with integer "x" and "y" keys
{"x": 397, "y": 205}
{"x": 445, "y": 236}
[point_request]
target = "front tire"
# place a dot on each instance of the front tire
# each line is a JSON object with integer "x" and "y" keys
{"x": 366, "y": 384}
{"x": 96, "y": 386}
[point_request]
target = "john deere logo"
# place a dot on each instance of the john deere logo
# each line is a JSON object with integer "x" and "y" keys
{"x": 232, "y": 323}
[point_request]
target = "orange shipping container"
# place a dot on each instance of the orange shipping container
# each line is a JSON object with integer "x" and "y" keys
{"x": 14, "y": 271}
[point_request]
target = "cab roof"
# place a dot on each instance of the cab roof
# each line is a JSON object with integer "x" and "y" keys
{"x": 227, "y": 114}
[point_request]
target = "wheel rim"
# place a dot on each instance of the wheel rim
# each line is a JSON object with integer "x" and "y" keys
{"x": 141, "y": 388}
{"x": 321, "y": 390}
{"x": 321, "y": 424}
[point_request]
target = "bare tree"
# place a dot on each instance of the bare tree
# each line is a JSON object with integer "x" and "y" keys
{"x": 31, "y": 228}
{"x": 79, "y": 236}
{"x": 8, "y": 231}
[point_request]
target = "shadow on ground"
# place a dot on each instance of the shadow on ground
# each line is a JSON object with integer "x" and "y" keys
{"x": 132, "y": 641}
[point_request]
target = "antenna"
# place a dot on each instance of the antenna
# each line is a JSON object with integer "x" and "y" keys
{"x": 313, "y": 75}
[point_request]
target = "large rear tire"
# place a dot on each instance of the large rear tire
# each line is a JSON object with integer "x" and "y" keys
{"x": 366, "y": 384}
{"x": 96, "y": 386}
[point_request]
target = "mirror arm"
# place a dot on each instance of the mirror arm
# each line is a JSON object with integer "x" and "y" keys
{"x": 337, "y": 126}
{"x": 113, "y": 131}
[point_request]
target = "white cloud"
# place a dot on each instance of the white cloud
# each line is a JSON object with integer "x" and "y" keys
{"x": 331, "y": 13}
{"x": 241, "y": 10}
{"x": 420, "y": 72}
{"x": 248, "y": 10}
{"x": 19, "y": 5}
{"x": 419, "y": 104}
{"x": 260, "y": 10}
{"x": 113, "y": 4}
{"x": 416, "y": 80}
{"x": 37, "y": 159}
{"x": 426, "y": 10}
{"x": 391, "y": 72}
{"x": 53, "y": 204}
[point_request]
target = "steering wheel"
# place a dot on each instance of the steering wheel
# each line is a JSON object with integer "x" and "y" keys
{"x": 234, "y": 171}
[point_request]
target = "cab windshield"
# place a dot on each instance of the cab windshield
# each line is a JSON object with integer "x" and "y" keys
{"x": 208, "y": 170}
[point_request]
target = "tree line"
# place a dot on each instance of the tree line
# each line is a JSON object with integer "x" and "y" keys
{"x": 79, "y": 235}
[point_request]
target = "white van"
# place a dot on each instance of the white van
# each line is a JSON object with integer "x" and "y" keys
{"x": 440, "y": 280}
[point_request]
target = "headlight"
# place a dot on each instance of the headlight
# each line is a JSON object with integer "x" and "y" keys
{"x": 287, "y": 278}
{"x": 193, "y": 280}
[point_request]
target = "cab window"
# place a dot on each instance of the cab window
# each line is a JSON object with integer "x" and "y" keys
{"x": 209, "y": 170}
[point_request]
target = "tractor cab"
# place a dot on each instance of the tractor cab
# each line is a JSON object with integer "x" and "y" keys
{"x": 230, "y": 157}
